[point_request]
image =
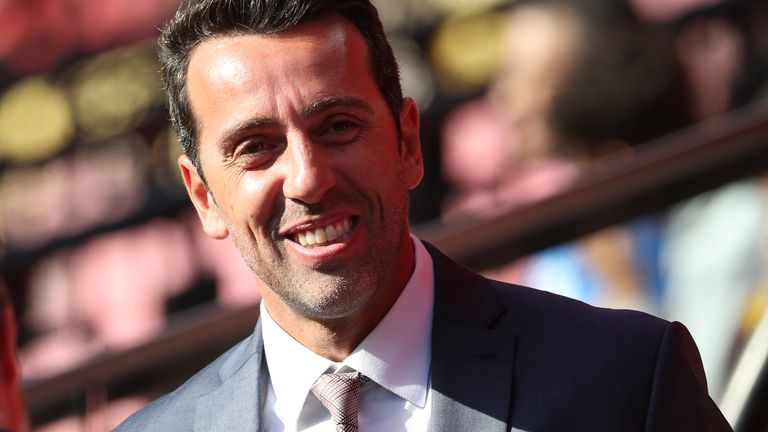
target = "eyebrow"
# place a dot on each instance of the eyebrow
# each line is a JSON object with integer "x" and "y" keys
{"x": 316, "y": 107}
{"x": 233, "y": 133}
{"x": 324, "y": 104}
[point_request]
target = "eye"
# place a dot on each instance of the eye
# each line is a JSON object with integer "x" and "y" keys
{"x": 341, "y": 126}
{"x": 338, "y": 130}
{"x": 251, "y": 147}
{"x": 254, "y": 152}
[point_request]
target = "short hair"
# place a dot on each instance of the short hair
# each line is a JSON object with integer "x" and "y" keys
{"x": 199, "y": 20}
{"x": 625, "y": 82}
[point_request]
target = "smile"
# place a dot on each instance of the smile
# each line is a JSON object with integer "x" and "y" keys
{"x": 322, "y": 236}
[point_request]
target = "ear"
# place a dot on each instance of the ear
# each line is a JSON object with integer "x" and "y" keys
{"x": 207, "y": 209}
{"x": 410, "y": 143}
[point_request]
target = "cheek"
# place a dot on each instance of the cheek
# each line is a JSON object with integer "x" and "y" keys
{"x": 258, "y": 194}
{"x": 250, "y": 202}
{"x": 375, "y": 169}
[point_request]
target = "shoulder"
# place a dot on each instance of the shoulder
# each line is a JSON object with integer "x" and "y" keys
{"x": 463, "y": 295}
{"x": 550, "y": 332}
{"x": 175, "y": 411}
{"x": 573, "y": 356}
{"x": 546, "y": 324}
{"x": 574, "y": 363}
{"x": 532, "y": 308}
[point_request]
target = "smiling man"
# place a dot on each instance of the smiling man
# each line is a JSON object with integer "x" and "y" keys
{"x": 299, "y": 146}
{"x": 305, "y": 169}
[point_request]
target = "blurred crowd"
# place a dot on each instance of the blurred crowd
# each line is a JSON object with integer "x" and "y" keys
{"x": 565, "y": 85}
{"x": 584, "y": 81}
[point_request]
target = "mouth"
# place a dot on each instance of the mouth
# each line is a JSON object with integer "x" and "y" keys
{"x": 324, "y": 235}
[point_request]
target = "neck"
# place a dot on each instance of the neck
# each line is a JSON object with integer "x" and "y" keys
{"x": 336, "y": 338}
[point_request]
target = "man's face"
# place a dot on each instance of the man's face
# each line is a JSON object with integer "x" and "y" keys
{"x": 304, "y": 165}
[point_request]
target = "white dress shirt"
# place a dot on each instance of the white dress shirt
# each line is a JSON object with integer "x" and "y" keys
{"x": 395, "y": 356}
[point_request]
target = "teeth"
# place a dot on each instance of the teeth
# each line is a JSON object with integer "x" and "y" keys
{"x": 320, "y": 236}
{"x": 330, "y": 233}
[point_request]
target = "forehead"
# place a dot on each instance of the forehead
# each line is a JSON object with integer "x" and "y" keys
{"x": 262, "y": 73}
{"x": 326, "y": 36}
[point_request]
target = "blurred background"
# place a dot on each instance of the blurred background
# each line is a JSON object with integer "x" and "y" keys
{"x": 613, "y": 151}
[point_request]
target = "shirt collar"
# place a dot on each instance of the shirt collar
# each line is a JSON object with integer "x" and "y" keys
{"x": 292, "y": 367}
{"x": 396, "y": 354}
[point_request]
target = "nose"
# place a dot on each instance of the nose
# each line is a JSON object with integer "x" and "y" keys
{"x": 309, "y": 172}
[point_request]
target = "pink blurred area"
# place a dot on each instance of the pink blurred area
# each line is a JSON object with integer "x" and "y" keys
{"x": 67, "y": 196}
{"x": 665, "y": 10}
{"x": 110, "y": 293}
{"x": 37, "y": 34}
{"x": 489, "y": 170}
{"x": 90, "y": 290}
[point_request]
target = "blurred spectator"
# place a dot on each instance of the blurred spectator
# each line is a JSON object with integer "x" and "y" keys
{"x": 488, "y": 172}
{"x": 714, "y": 259}
{"x": 723, "y": 52}
{"x": 665, "y": 10}
{"x": 586, "y": 79}
{"x": 715, "y": 250}
{"x": 12, "y": 413}
{"x": 500, "y": 152}
{"x": 596, "y": 79}
{"x": 579, "y": 80}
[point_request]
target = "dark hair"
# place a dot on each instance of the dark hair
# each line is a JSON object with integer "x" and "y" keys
{"x": 749, "y": 18}
{"x": 625, "y": 84}
{"x": 200, "y": 20}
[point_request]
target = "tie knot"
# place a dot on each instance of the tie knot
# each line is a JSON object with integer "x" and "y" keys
{"x": 339, "y": 393}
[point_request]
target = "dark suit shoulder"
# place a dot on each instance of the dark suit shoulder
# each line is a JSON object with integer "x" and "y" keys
{"x": 545, "y": 310}
{"x": 464, "y": 296}
{"x": 636, "y": 370}
{"x": 558, "y": 328}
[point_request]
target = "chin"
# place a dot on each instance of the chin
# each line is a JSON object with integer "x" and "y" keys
{"x": 339, "y": 303}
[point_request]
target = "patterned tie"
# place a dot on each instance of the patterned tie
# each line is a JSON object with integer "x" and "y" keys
{"x": 339, "y": 393}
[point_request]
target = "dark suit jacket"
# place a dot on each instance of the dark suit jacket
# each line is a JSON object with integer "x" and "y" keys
{"x": 504, "y": 358}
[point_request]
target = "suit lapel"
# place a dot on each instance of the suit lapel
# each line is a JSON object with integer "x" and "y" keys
{"x": 235, "y": 405}
{"x": 472, "y": 358}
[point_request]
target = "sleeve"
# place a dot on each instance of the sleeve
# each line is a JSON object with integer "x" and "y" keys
{"x": 679, "y": 398}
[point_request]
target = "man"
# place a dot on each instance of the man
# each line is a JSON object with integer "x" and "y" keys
{"x": 299, "y": 145}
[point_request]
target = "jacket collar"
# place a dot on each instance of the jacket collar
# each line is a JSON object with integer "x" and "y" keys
{"x": 234, "y": 406}
{"x": 472, "y": 355}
